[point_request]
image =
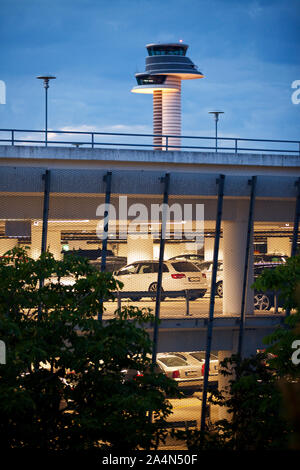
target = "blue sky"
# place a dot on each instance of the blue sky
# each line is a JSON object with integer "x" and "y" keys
{"x": 249, "y": 52}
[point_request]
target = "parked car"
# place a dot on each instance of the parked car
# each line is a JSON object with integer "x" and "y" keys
{"x": 141, "y": 276}
{"x": 265, "y": 300}
{"x": 198, "y": 357}
{"x": 188, "y": 376}
{"x": 113, "y": 263}
{"x": 188, "y": 257}
{"x": 272, "y": 258}
{"x": 206, "y": 268}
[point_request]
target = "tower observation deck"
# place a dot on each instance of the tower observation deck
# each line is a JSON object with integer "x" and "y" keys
{"x": 166, "y": 66}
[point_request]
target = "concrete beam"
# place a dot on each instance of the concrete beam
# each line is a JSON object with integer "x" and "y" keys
{"x": 190, "y": 334}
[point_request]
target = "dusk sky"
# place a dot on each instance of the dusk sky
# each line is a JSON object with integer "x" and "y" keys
{"x": 249, "y": 52}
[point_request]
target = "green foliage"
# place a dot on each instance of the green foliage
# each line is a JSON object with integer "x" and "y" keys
{"x": 284, "y": 278}
{"x": 262, "y": 397}
{"x": 63, "y": 386}
{"x": 254, "y": 403}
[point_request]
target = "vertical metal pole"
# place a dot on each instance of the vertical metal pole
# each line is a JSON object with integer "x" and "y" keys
{"x": 12, "y": 137}
{"x": 216, "y": 134}
{"x": 46, "y": 114}
{"x": 46, "y": 177}
{"x": 296, "y": 221}
{"x": 252, "y": 182}
{"x": 235, "y": 146}
{"x": 166, "y": 181}
{"x": 220, "y": 182}
{"x": 107, "y": 180}
{"x": 295, "y": 230}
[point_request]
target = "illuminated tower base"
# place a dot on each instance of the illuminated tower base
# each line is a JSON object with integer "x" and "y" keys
{"x": 166, "y": 66}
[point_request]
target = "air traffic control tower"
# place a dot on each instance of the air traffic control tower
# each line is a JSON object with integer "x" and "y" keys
{"x": 166, "y": 66}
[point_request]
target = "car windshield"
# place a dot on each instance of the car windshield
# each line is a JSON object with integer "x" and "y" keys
{"x": 172, "y": 361}
{"x": 184, "y": 267}
{"x": 205, "y": 266}
{"x": 200, "y": 355}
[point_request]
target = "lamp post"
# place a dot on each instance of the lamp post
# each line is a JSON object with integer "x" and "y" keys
{"x": 46, "y": 79}
{"x": 216, "y": 114}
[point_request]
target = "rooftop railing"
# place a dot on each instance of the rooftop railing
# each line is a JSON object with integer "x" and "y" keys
{"x": 90, "y": 139}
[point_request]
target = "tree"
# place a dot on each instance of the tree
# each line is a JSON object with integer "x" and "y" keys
{"x": 262, "y": 397}
{"x": 63, "y": 385}
{"x": 254, "y": 403}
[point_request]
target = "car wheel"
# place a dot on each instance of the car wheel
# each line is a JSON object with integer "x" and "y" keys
{"x": 153, "y": 288}
{"x": 202, "y": 294}
{"x": 261, "y": 302}
{"x": 219, "y": 289}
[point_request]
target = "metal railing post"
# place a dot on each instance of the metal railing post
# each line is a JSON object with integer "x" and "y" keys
{"x": 220, "y": 182}
{"x": 166, "y": 181}
{"x": 252, "y": 182}
{"x": 107, "y": 180}
{"x": 167, "y": 143}
{"x": 235, "y": 146}
{"x": 12, "y": 137}
{"x": 187, "y": 302}
{"x": 92, "y": 135}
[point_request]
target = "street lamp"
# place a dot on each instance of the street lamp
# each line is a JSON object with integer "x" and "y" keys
{"x": 216, "y": 114}
{"x": 46, "y": 79}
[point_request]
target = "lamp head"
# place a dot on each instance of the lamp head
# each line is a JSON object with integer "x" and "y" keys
{"x": 216, "y": 114}
{"x": 46, "y": 79}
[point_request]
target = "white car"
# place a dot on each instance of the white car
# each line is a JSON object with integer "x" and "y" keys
{"x": 206, "y": 268}
{"x": 141, "y": 276}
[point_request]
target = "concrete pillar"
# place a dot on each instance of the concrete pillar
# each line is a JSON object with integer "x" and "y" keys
{"x": 280, "y": 245}
{"x": 7, "y": 244}
{"x": 209, "y": 243}
{"x": 54, "y": 242}
{"x": 139, "y": 249}
{"x": 36, "y": 239}
{"x": 234, "y": 247}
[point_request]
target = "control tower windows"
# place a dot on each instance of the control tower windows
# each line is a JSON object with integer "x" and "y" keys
{"x": 150, "y": 79}
{"x": 166, "y": 50}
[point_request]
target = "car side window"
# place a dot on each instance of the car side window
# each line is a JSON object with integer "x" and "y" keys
{"x": 130, "y": 269}
{"x": 145, "y": 268}
{"x": 165, "y": 268}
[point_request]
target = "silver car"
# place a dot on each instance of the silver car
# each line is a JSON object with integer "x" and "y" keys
{"x": 196, "y": 358}
{"x": 188, "y": 376}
